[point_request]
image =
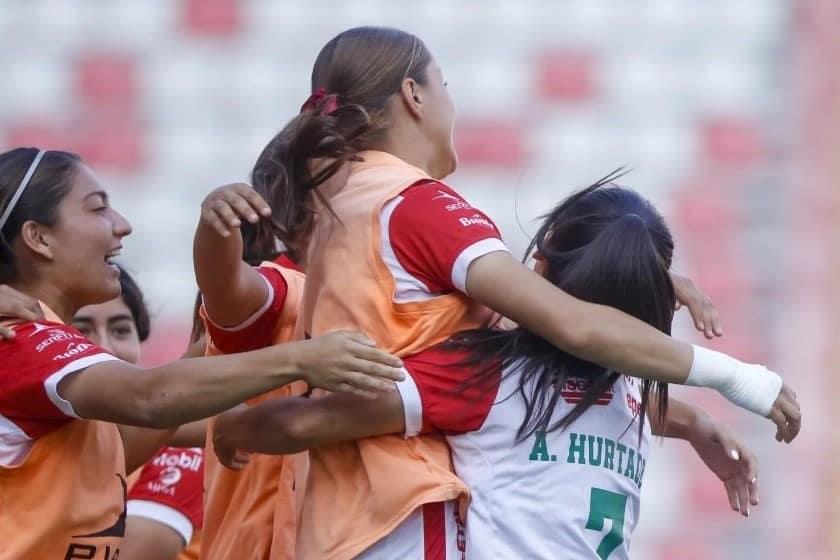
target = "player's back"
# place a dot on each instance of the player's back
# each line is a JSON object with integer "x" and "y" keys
{"x": 566, "y": 494}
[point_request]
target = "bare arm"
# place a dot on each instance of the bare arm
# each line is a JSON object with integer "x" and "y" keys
{"x": 141, "y": 444}
{"x": 146, "y": 539}
{"x": 596, "y": 333}
{"x": 188, "y": 390}
{"x": 193, "y": 434}
{"x": 289, "y": 425}
{"x": 613, "y": 339}
{"x": 232, "y": 289}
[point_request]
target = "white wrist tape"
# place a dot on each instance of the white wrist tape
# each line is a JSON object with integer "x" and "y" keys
{"x": 749, "y": 386}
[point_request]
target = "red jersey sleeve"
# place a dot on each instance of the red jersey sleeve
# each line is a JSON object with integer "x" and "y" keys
{"x": 31, "y": 367}
{"x": 430, "y": 235}
{"x": 438, "y": 395}
{"x": 257, "y": 331}
{"x": 170, "y": 490}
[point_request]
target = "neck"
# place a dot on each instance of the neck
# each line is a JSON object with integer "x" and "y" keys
{"x": 411, "y": 149}
{"x": 50, "y": 296}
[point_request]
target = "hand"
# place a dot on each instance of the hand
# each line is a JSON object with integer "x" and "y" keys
{"x": 228, "y": 455}
{"x": 733, "y": 463}
{"x": 702, "y": 310}
{"x": 348, "y": 362}
{"x": 16, "y": 305}
{"x": 786, "y": 415}
{"x": 224, "y": 208}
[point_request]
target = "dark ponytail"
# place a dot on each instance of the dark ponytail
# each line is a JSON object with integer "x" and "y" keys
{"x": 360, "y": 70}
{"x": 606, "y": 245}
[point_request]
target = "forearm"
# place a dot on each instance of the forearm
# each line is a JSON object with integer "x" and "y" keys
{"x": 179, "y": 392}
{"x": 263, "y": 428}
{"x": 293, "y": 424}
{"x": 679, "y": 422}
{"x": 232, "y": 289}
{"x": 595, "y": 333}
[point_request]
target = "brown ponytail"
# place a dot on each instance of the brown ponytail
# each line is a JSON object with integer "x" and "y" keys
{"x": 360, "y": 69}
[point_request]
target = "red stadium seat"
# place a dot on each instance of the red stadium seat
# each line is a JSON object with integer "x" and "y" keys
{"x": 566, "y": 76}
{"x": 211, "y": 17}
{"x": 491, "y": 143}
{"x": 105, "y": 80}
{"x": 732, "y": 141}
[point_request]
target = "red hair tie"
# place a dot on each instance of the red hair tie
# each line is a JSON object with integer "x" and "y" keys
{"x": 321, "y": 101}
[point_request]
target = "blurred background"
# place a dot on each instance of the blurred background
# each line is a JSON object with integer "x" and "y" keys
{"x": 727, "y": 112}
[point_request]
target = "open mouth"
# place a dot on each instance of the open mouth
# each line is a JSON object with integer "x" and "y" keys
{"x": 113, "y": 254}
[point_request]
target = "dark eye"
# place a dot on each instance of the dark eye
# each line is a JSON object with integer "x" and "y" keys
{"x": 83, "y": 329}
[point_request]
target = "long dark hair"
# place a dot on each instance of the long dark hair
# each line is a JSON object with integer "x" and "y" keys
{"x": 607, "y": 245}
{"x": 359, "y": 71}
{"x": 132, "y": 296}
{"x": 49, "y": 185}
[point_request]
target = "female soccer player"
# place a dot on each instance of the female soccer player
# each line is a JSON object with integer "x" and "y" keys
{"x": 59, "y": 392}
{"x": 396, "y": 253}
{"x": 550, "y": 446}
{"x": 165, "y": 504}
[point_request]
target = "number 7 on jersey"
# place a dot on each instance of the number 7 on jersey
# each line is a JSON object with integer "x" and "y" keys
{"x": 604, "y": 504}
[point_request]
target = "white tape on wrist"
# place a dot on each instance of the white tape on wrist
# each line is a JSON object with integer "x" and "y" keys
{"x": 749, "y": 386}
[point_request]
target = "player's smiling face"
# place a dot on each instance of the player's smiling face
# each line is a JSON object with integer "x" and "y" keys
{"x": 86, "y": 236}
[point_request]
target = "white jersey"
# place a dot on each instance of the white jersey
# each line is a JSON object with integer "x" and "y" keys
{"x": 570, "y": 494}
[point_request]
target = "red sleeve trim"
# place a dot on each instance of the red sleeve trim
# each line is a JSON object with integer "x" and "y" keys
{"x": 258, "y": 330}
{"x": 450, "y": 403}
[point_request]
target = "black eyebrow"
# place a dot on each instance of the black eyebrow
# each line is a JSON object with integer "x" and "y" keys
{"x": 116, "y": 318}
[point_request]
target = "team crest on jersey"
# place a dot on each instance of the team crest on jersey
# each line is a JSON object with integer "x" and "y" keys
{"x": 575, "y": 387}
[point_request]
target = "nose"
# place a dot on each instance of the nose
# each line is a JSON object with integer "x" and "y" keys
{"x": 121, "y": 227}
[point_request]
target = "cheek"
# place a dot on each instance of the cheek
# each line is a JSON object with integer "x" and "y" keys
{"x": 127, "y": 350}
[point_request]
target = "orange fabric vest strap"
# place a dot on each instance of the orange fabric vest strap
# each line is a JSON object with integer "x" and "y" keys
{"x": 251, "y": 513}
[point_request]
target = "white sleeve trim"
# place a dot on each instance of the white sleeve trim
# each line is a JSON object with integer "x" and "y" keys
{"x": 412, "y": 405}
{"x": 254, "y": 317}
{"x": 51, "y": 383}
{"x": 15, "y": 445}
{"x": 468, "y": 255}
{"x": 163, "y": 514}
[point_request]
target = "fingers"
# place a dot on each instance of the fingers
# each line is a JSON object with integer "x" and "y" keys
{"x": 18, "y": 305}
{"x": 254, "y": 200}
{"x": 778, "y": 417}
{"x": 384, "y": 364}
{"x": 6, "y": 333}
{"x": 368, "y": 381}
{"x": 239, "y": 460}
{"x": 703, "y": 312}
{"x": 210, "y": 218}
{"x": 225, "y": 213}
{"x": 793, "y": 419}
{"x": 348, "y": 388}
{"x": 742, "y": 487}
{"x": 224, "y": 207}
{"x": 753, "y": 491}
{"x": 732, "y": 494}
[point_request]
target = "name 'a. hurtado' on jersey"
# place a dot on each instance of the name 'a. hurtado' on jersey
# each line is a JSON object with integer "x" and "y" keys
{"x": 595, "y": 451}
